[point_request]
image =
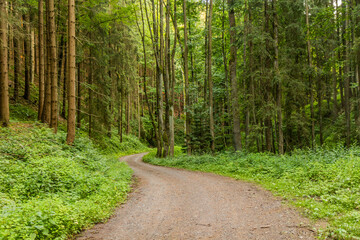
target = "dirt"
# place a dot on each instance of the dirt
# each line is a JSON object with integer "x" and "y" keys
{"x": 177, "y": 204}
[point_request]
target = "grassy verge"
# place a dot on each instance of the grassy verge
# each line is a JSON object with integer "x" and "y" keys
{"x": 325, "y": 183}
{"x": 49, "y": 190}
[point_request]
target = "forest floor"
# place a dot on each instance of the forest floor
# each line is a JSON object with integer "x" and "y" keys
{"x": 168, "y": 203}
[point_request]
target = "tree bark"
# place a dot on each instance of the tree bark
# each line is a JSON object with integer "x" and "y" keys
{"x": 234, "y": 87}
{"x": 78, "y": 108}
{"x": 53, "y": 67}
{"x": 278, "y": 81}
{"x": 27, "y": 56}
{"x": 347, "y": 79}
{"x": 186, "y": 76}
{"x": 71, "y": 74}
{"x": 310, "y": 76}
{"x": 16, "y": 68}
{"x": 4, "y": 74}
{"x": 41, "y": 60}
{"x": 211, "y": 98}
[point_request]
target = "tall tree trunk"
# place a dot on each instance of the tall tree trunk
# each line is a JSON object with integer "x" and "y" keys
{"x": 78, "y": 108}
{"x": 41, "y": 60}
{"x": 16, "y": 67}
{"x": 145, "y": 72}
{"x": 172, "y": 92}
{"x": 211, "y": 98}
{"x": 53, "y": 67}
{"x": 32, "y": 65}
{"x": 27, "y": 56}
{"x": 4, "y": 76}
{"x": 234, "y": 87}
{"x": 65, "y": 83}
{"x": 47, "y": 95}
{"x": 310, "y": 76}
{"x": 278, "y": 81}
{"x": 268, "y": 87}
{"x": 72, "y": 75}
{"x": 186, "y": 76}
{"x": 167, "y": 68}
{"x": 347, "y": 78}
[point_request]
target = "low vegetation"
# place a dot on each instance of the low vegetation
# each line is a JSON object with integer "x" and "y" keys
{"x": 50, "y": 190}
{"x": 325, "y": 183}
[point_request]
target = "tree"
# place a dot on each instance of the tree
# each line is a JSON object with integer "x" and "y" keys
{"x": 234, "y": 88}
{"x": 41, "y": 60}
{"x": 53, "y": 67}
{"x": 71, "y": 74}
{"x": 4, "y": 77}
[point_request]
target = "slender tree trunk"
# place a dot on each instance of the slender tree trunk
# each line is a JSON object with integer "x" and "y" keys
{"x": 32, "y": 65}
{"x": 72, "y": 74}
{"x": 145, "y": 72}
{"x": 27, "y": 56}
{"x": 167, "y": 81}
{"x": 65, "y": 83}
{"x": 172, "y": 91}
{"x": 278, "y": 81}
{"x": 16, "y": 68}
{"x": 78, "y": 108}
{"x": 211, "y": 98}
{"x": 53, "y": 67}
{"x": 128, "y": 102}
{"x": 186, "y": 76}
{"x": 4, "y": 75}
{"x": 46, "y": 115}
{"x": 310, "y": 76}
{"x": 234, "y": 87}
{"x": 347, "y": 78}
{"x": 41, "y": 60}
{"x": 268, "y": 87}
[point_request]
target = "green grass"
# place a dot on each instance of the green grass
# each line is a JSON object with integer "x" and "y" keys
{"x": 49, "y": 190}
{"x": 324, "y": 183}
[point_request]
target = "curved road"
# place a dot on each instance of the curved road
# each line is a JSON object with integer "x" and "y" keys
{"x": 178, "y": 204}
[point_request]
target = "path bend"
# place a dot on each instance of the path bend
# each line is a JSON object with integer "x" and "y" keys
{"x": 179, "y": 204}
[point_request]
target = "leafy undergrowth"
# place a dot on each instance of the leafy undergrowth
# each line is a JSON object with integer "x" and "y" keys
{"x": 325, "y": 183}
{"x": 49, "y": 190}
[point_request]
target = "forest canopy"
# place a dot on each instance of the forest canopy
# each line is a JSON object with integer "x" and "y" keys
{"x": 270, "y": 75}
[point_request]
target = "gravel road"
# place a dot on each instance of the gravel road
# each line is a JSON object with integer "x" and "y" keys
{"x": 177, "y": 204}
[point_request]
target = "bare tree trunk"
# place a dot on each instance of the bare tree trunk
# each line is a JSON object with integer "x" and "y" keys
{"x": 16, "y": 68}
{"x": 310, "y": 77}
{"x": 41, "y": 60}
{"x": 4, "y": 76}
{"x": 27, "y": 56}
{"x": 347, "y": 79}
{"x": 186, "y": 76}
{"x": 211, "y": 98}
{"x": 78, "y": 109}
{"x": 53, "y": 67}
{"x": 72, "y": 74}
{"x": 32, "y": 65}
{"x": 47, "y": 95}
{"x": 65, "y": 83}
{"x": 278, "y": 81}
{"x": 234, "y": 87}
{"x": 167, "y": 68}
{"x": 173, "y": 79}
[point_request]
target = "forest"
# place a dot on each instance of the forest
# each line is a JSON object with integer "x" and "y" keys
{"x": 261, "y": 90}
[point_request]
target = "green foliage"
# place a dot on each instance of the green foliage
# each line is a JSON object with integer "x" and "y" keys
{"x": 49, "y": 190}
{"x": 129, "y": 145}
{"x": 325, "y": 183}
{"x": 19, "y": 112}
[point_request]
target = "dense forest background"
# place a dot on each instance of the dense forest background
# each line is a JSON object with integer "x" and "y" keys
{"x": 270, "y": 75}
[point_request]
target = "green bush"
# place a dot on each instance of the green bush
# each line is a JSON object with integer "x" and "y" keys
{"x": 49, "y": 190}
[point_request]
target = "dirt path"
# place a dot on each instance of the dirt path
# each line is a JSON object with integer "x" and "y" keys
{"x": 179, "y": 204}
